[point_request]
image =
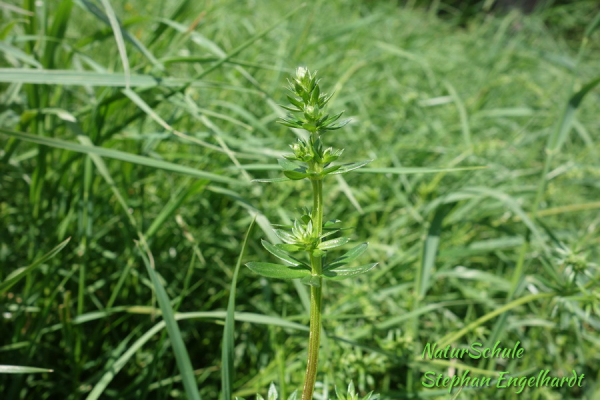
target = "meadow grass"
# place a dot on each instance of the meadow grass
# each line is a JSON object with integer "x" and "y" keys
{"x": 146, "y": 164}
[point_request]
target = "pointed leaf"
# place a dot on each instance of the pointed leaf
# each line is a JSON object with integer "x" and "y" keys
{"x": 293, "y": 175}
{"x": 330, "y": 170}
{"x": 331, "y": 222}
{"x": 272, "y": 395}
{"x": 271, "y": 180}
{"x": 347, "y": 258}
{"x": 17, "y": 369}
{"x": 285, "y": 236}
{"x": 289, "y": 108}
{"x": 182, "y": 357}
{"x": 293, "y": 396}
{"x": 21, "y": 273}
{"x": 282, "y": 255}
{"x": 350, "y": 167}
{"x": 288, "y": 247}
{"x": 288, "y": 165}
{"x": 347, "y": 272}
{"x": 227, "y": 357}
{"x": 330, "y": 244}
{"x": 295, "y": 102}
{"x": 338, "y": 126}
{"x": 277, "y": 270}
{"x": 331, "y": 232}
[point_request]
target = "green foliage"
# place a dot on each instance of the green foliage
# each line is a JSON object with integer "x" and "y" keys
{"x": 473, "y": 253}
{"x": 311, "y": 161}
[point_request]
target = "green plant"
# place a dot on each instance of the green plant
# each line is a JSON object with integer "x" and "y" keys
{"x": 340, "y": 395}
{"x": 309, "y": 234}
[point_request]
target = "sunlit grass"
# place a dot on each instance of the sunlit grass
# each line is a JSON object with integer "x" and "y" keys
{"x": 169, "y": 163}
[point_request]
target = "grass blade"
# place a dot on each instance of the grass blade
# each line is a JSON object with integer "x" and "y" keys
{"x": 560, "y": 135}
{"x": 21, "y": 273}
{"x": 227, "y": 373}
{"x": 181, "y": 355}
{"x": 414, "y": 170}
{"x": 119, "y": 155}
{"x": 112, "y": 19}
{"x": 110, "y": 373}
{"x": 451, "y": 337}
{"x": 19, "y": 55}
{"x": 15, "y": 369}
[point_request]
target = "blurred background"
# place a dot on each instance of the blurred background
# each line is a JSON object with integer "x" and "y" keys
{"x": 159, "y": 130}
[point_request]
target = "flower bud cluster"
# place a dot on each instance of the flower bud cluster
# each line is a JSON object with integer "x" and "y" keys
{"x": 309, "y": 102}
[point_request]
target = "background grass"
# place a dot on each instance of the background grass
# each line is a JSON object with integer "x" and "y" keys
{"x": 168, "y": 160}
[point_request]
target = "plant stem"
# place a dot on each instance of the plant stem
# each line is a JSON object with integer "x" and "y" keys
{"x": 314, "y": 337}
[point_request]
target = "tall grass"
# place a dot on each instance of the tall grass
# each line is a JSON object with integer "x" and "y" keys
{"x": 148, "y": 125}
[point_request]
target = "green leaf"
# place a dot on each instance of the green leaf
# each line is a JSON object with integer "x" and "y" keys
{"x": 173, "y": 205}
{"x": 16, "y": 369}
{"x": 561, "y": 133}
{"x": 116, "y": 27}
{"x": 182, "y": 357}
{"x": 288, "y": 247}
{"x": 350, "y": 167}
{"x": 277, "y": 270}
{"x": 347, "y": 272}
{"x": 271, "y": 180}
{"x": 295, "y": 102}
{"x": 430, "y": 250}
{"x": 19, "y": 55}
{"x": 21, "y": 273}
{"x": 288, "y": 165}
{"x": 331, "y": 222}
{"x": 113, "y": 367}
{"x": 330, "y": 170}
{"x": 119, "y": 155}
{"x": 227, "y": 357}
{"x": 330, "y": 244}
{"x": 331, "y": 231}
{"x": 347, "y": 258}
{"x": 294, "y": 175}
{"x": 416, "y": 170}
{"x": 89, "y": 78}
{"x": 285, "y": 236}
{"x": 282, "y": 255}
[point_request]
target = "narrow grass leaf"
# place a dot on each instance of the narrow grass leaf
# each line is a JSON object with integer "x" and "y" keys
{"x": 453, "y": 336}
{"x": 21, "y": 273}
{"x": 114, "y": 24}
{"x": 227, "y": 373}
{"x": 181, "y": 355}
{"x": 561, "y": 133}
{"x": 462, "y": 112}
{"x": 430, "y": 249}
{"x": 172, "y": 206}
{"x": 88, "y": 78}
{"x": 119, "y": 155}
{"x": 95, "y": 11}
{"x": 415, "y": 170}
{"x": 15, "y": 369}
{"x": 19, "y": 55}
